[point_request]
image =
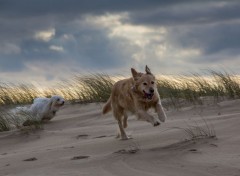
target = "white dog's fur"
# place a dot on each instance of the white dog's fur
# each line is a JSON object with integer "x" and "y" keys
{"x": 42, "y": 109}
{"x": 45, "y": 108}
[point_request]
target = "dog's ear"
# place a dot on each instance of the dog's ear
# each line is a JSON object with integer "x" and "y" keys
{"x": 148, "y": 71}
{"x": 50, "y": 103}
{"x": 135, "y": 74}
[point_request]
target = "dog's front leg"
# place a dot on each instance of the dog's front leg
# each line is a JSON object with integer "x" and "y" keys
{"x": 161, "y": 114}
{"x": 143, "y": 115}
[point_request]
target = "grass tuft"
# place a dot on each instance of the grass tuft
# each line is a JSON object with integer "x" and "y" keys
{"x": 4, "y": 122}
{"x": 22, "y": 120}
{"x": 196, "y": 131}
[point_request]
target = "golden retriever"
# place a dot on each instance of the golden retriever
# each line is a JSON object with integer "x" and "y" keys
{"x": 136, "y": 95}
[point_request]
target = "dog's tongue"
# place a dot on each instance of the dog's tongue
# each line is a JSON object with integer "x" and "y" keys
{"x": 148, "y": 96}
{"x": 58, "y": 105}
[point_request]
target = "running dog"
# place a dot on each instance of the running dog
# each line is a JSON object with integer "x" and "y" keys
{"x": 42, "y": 109}
{"x": 136, "y": 95}
{"x": 45, "y": 108}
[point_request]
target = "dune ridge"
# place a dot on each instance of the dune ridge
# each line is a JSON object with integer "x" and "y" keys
{"x": 80, "y": 141}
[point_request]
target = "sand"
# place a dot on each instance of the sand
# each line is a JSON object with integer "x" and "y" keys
{"x": 80, "y": 141}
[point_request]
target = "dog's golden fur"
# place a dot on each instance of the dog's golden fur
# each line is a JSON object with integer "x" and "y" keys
{"x": 135, "y": 95}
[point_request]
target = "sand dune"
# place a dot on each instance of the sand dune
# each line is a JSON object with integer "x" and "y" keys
{"x": 80, "y": 141}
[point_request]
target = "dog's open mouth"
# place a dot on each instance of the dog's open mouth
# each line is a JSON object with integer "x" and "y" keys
{"x": 59, "y": 105}
{"x": 148, "y": 95}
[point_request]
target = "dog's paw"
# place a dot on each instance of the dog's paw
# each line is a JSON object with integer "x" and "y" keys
{"x": 156, "y": 124}
{"x": 163, "y": 118}
{"x": 122, "y": 137}
{"x": 125, "y": 137}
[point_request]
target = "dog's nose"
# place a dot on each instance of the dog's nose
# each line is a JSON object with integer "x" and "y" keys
{"x": 151, "y": 90}
{"x": 63, "y": 102}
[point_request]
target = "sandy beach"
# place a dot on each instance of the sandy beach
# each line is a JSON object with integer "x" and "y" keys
{"x": 80, "y": 141}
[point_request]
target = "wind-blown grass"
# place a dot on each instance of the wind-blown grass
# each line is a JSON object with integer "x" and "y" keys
{"x": 86, "y": 89}
{"x": 97, "y": 88}
{"x": 193, "y": 88}
{"x": 197, "y": 131}
{"x": 4, "y": 122}
{"x": 230, "y": 83}
{"x": 22, "y": 120}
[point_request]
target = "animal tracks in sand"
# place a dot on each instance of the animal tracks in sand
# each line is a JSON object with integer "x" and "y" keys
{"x": 31, "y": 159}
{"x": 86, "y": 136}
{"x": 79, "y": 157}
{"x": 82, "y": 136}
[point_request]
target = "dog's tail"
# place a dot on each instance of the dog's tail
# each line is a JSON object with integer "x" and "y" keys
{"x": 107, "y": 107}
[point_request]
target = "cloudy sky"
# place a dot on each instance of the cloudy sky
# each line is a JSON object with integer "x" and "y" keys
{"x": 49, "y": 40}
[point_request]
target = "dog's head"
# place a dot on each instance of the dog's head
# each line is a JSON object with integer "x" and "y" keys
{"x": 145, "y": 83}
{"x": 56, "y": 102}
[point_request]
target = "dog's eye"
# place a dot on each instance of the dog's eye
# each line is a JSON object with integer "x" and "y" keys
{"x": 58, "y": 99}
{"x": 152, "y": 82}
{"x": 144, "y": 84}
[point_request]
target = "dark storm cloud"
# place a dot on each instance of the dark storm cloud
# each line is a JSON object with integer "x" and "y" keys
{"x": 92, "y": 48}
{"x": 217, "y": 42}
{"x": 87, "y": 46}
{"x": 12, "y": 8}
{"x": 189, "y": 13}
{"x": 100, "y": 52}
{"x": 212, "y": 27}
{"x": 19, "y": 22}
{"x": 209, "y": 26}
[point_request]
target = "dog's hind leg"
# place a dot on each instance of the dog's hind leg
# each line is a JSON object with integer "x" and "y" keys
{"x": 122, "y": 131}
{"x": 125, "y": 117}
{"x": 118, "y": 116}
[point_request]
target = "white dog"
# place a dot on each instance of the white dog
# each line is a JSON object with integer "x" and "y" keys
{"x": 45, "y": 108}
{"x": 42, "y": 109}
